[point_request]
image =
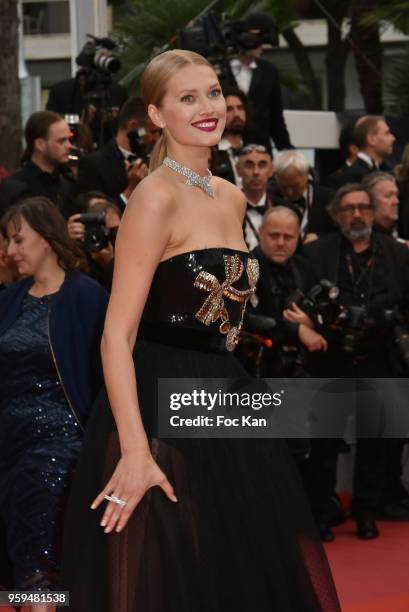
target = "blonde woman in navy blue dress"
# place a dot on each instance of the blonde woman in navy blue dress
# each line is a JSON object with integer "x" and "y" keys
{"x": 188, "y": 525}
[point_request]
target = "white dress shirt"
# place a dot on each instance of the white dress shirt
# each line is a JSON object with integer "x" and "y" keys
{"x": 243, "y": 74}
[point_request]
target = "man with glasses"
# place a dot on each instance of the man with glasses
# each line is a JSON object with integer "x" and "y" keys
{"x": 255, "y": 167}
{"x": 372, "y": 273}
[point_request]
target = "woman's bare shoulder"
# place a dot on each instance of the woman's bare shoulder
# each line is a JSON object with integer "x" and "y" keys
{"x": 153, "y": 192}
{"x": 230, "y": 191}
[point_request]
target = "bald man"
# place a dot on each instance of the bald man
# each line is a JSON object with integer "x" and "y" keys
{"x": 281, "y": 274}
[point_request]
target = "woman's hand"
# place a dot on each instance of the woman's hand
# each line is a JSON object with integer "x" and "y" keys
{"x": 135, "y": 473}
{"x": 311, "y": 340}
{"x": 296, "y": 315}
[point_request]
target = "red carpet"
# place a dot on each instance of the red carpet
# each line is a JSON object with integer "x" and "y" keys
{"x": 371, "y": 576}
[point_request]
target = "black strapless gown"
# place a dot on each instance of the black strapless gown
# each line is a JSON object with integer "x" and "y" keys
{"x": 241, "y": 536}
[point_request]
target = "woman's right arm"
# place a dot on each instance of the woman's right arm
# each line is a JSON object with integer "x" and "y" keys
{"x": 142, "y": 238}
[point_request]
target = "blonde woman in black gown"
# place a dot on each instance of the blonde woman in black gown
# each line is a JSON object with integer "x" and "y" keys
{"x": 159, "y": 525}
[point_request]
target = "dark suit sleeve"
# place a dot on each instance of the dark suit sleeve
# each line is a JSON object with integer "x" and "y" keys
{"x": 278, "y": 129}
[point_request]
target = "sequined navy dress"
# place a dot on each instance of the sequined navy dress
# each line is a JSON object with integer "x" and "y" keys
{"x": 241, "y": 536}
{"x": 39, "y": 446}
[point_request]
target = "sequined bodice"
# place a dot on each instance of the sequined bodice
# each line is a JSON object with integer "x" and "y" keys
{"x": 204, "y": 290}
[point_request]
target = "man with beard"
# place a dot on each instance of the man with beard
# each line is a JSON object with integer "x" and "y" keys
{"x": 226, "y": 156}
{"x": 45, "y": 171}
{"x": 372, "y": 273}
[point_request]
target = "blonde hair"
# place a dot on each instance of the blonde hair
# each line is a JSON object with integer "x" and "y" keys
{"x": 153, "y": 87}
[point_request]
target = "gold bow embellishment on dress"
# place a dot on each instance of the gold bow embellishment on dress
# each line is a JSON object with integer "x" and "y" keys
{"x": 214, "y": 307}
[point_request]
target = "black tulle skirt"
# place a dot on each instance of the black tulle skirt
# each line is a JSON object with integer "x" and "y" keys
{"x": 241, "y": 536}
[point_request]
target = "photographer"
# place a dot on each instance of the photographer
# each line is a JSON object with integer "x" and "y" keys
{"x": 372, "y": 273}
{"x": 258, "y": 79}
{"x": 282, "y": 276}
{"x": 96, "y": 229}
{"x": 45, "y": 171}
{"x": 92, "y": 95}
{"x": 120, "y": 165}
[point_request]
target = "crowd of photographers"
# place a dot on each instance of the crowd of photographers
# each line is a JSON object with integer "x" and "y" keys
{"x": 333, "y": 296}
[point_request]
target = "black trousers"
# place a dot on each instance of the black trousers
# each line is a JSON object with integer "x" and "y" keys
{"x": 378, "y": 460}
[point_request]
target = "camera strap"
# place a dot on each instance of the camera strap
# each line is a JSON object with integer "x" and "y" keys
{"x": 364, "y": 271}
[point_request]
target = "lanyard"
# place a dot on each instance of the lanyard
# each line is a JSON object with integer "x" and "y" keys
{"x": 356, "y": 281}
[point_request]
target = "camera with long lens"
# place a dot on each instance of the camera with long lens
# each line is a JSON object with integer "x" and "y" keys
{"x": 96, "y": 54}
{"x": 96, "y": 236}
{"x": 396, "y": 320}
{"x": 219, "y": 42}
{"x": 320, "y": 303}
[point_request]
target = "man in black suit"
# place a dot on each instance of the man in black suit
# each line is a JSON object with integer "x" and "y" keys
{"x": 296, "y": 187}
{"x": 258, "y": 79}
{"x": 117, "y": 167}
{"x": 282, "y": 273}
{"x": 349, "y": 151}
{"x": 374, "y": 140}
{"x": 45, "y": 171}
{"x": 372, "y": 273}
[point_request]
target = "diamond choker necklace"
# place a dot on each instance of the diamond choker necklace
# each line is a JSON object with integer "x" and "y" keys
{"x": 193, "y": 178}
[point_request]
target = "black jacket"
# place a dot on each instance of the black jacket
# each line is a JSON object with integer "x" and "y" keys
{"x": 324, "y": 255}
{"x": 319, "y": 221}
{"x": 389, "y": 288}
{"x": 65, "y": 97}
{"x": 30, "y": 180}
{"x": 360, "y": 169}
{"x": 76, "y": 321}
{"x": 104, "y": 171}
{"x": 266, "y": 105}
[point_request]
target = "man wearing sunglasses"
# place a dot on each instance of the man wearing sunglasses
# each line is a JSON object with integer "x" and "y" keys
{"x": 255, "y": 167}
{"x": 371, "y": 271}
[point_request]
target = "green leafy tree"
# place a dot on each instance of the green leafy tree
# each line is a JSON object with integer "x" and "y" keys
{"x": 396, "y": 14}
{"x": 150, "y": 27}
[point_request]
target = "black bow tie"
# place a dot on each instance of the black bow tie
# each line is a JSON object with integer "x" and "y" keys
{"x": 259, "y": 209}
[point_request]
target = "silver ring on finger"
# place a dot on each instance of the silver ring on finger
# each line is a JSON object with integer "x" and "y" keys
{"x": 115, "y": 499}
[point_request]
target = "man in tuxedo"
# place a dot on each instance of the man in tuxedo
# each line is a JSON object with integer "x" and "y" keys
{"x": 296, "y": 187}
{"x": 255, "y": 167}
{"x": 226, "y": 156}
{"x": 117, "y": 167}
{"x": 45, "y": 170}
{"x": 374, "y": 140}
{"x": 258, "y": 80}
